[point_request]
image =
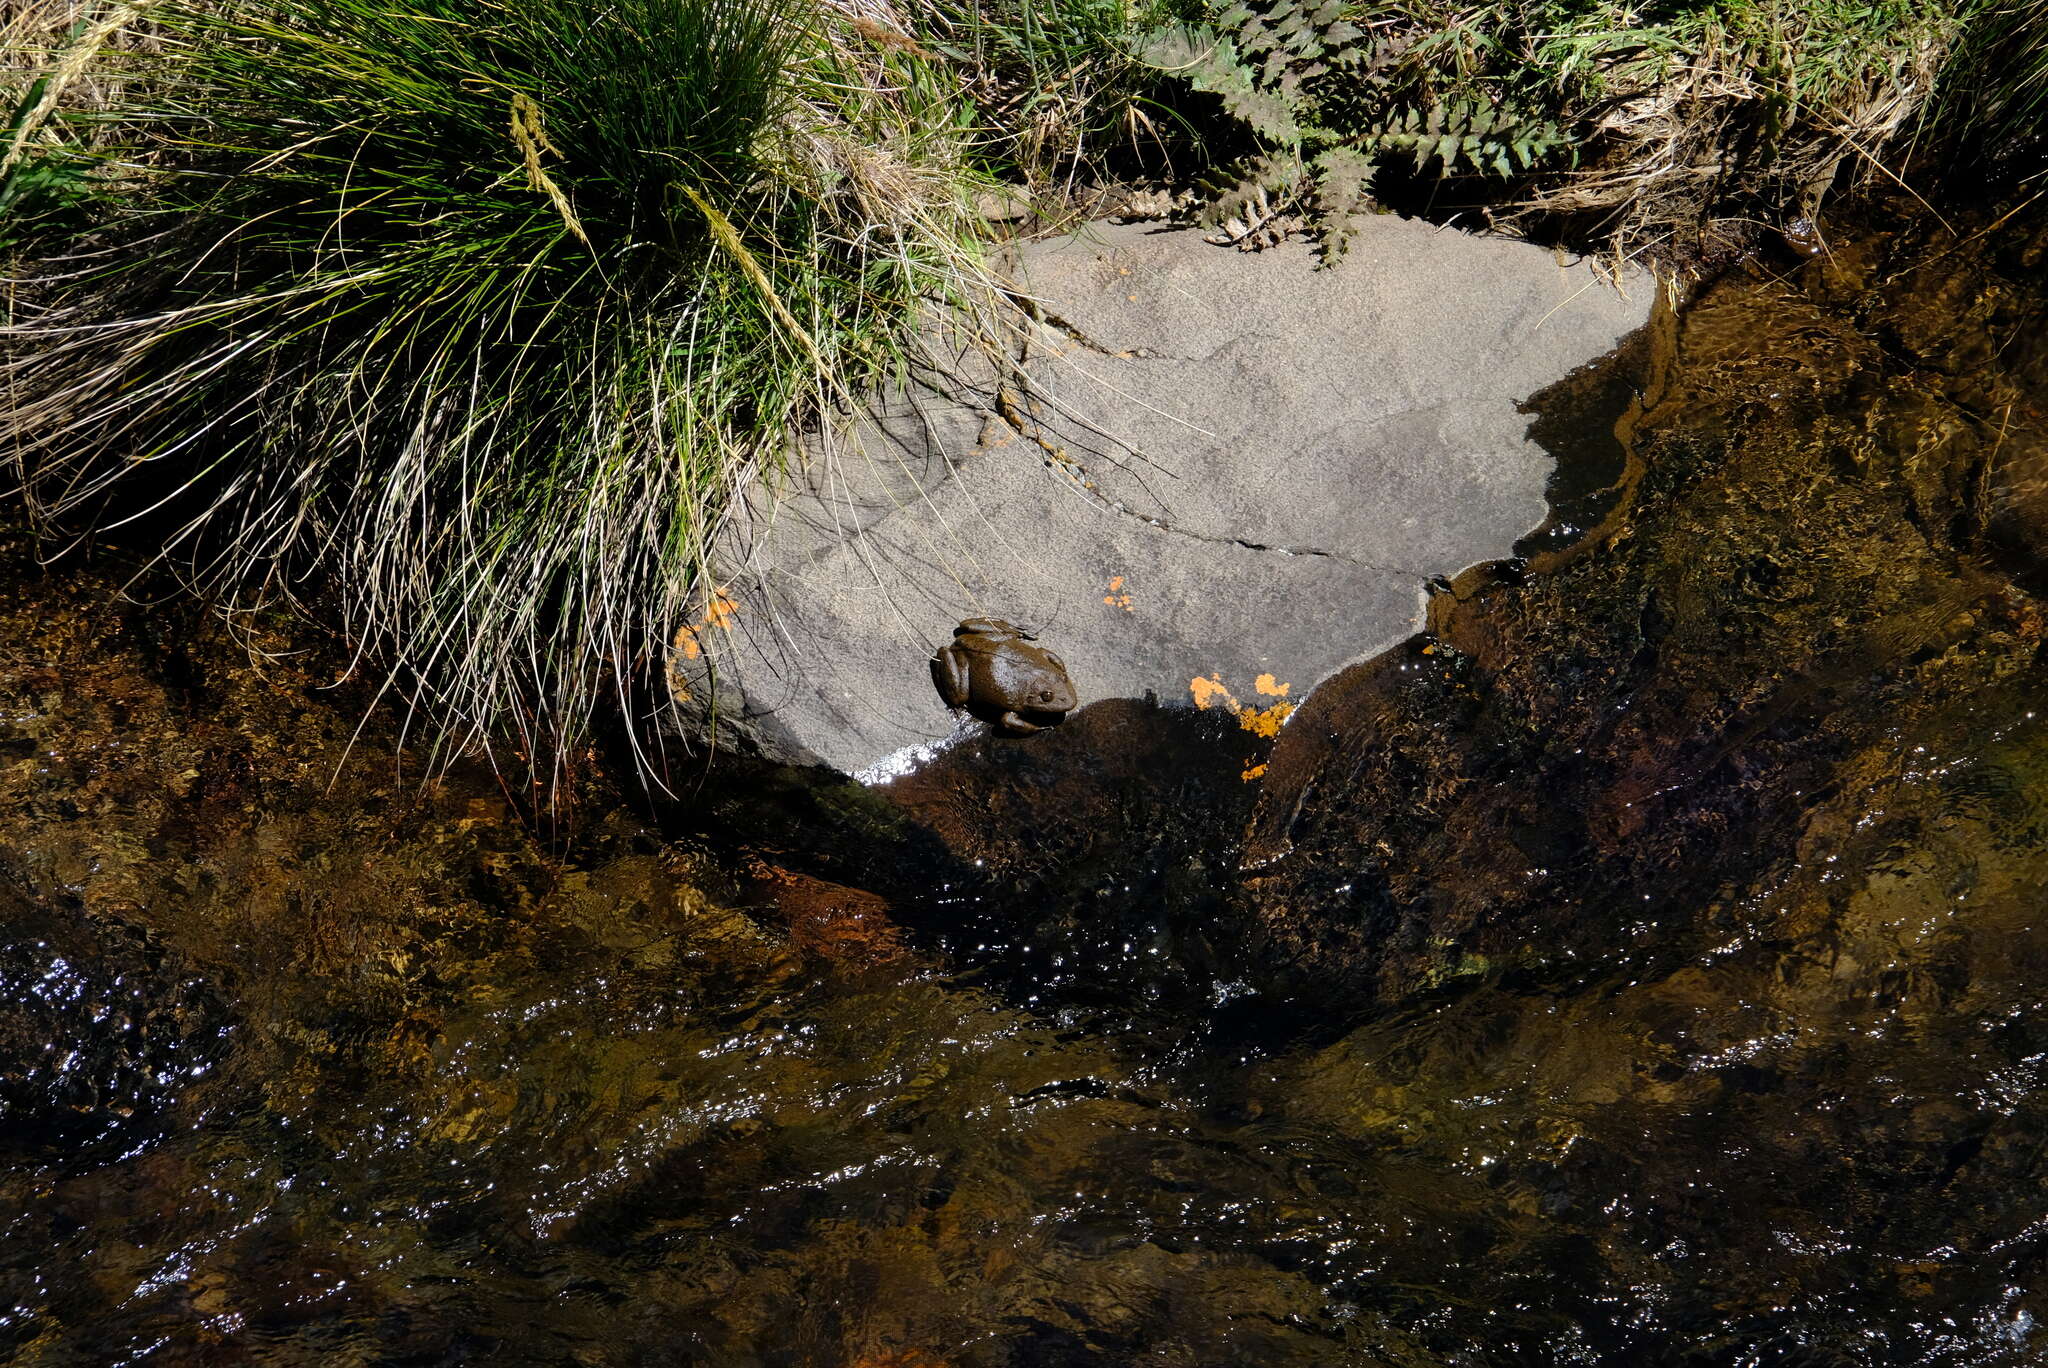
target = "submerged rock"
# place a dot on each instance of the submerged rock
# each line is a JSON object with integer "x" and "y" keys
{"x": 101, "y": 1035}
{"x": 473, "y": 1091}
{"x": 1686, "y": 885}
{"x": 1795, "y": 572}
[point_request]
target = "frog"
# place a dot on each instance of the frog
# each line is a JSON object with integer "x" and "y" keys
{"x": 993, "y": 669}
{"x": 1802, "y": 237}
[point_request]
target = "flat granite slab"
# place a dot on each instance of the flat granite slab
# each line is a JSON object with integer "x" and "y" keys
{"x": 1233, "y": 477}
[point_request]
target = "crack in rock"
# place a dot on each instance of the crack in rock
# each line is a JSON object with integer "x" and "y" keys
{"x": 1065, "y": 328}
{"x": 1141, "y": 352}
{"x": 1062, "y": 463}
{"x": 1246, "y": 543}
{"x": 1046, "y": 318}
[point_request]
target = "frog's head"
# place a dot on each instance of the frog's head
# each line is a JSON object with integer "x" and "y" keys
{"x": 1048, "y": 690}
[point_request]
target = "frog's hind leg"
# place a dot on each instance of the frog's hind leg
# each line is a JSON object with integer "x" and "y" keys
{"x": 949, "y": 674}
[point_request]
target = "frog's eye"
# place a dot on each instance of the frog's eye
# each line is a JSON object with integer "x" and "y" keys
{"x": 1045, "y": 695}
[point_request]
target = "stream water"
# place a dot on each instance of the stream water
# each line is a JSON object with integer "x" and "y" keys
{"x": 1647, "y": 966}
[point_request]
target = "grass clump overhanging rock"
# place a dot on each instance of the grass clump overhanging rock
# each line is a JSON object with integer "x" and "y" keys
{"x": 476, "y": 314}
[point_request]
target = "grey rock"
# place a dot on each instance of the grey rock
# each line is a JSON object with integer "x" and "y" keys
{"x": 1232, "y": 468}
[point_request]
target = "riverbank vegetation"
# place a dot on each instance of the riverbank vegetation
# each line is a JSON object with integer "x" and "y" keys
{"x": 483, "y": 312}
{"x": 460, "y": 323}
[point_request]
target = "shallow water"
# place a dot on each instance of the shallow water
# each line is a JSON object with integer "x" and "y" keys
{"x": 1644, "y": 968}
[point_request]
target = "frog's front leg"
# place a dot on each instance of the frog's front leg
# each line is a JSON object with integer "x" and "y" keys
{"x": 1017, "y": 726}
{"x": 949, "y": 674}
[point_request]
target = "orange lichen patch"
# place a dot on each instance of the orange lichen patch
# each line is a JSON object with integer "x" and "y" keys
{"x": 720, "y": 611}
{"x": 1266, "y": 685}
{"x": 1255, "y": 772}
{"x": 1210, "y": 693}
{"x": 1116, "y": 597}
{"x": 688, "y": 648}
{"x": 1266, "y": 721}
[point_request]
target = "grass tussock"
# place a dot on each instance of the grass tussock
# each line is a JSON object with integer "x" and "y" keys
{"x": 1741, "y": 111}
{"x": 478, "y": 314}
{"x": 1990, "y": 113}
{"x": 1063, "y": 95}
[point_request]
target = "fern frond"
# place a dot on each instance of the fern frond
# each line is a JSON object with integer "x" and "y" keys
{"x": 1342, "y": 176}
{"x": 1329, "y": 101}
{"x": 1245, "y": 187}
{"x": 1487, "y": 138}
{"x": 1209, "y": 62}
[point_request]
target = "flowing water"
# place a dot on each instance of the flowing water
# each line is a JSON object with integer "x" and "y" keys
{"x": 1647, "y": 966}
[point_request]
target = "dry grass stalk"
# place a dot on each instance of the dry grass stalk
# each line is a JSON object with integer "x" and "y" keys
{"x": 36, "y": 41}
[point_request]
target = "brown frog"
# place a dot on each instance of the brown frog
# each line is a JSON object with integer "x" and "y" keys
{"x": 1801, "y": 235}
{"x": 992, "y": 669}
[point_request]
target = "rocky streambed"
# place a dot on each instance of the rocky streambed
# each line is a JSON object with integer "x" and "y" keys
{"x": 1643, "y": 965}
